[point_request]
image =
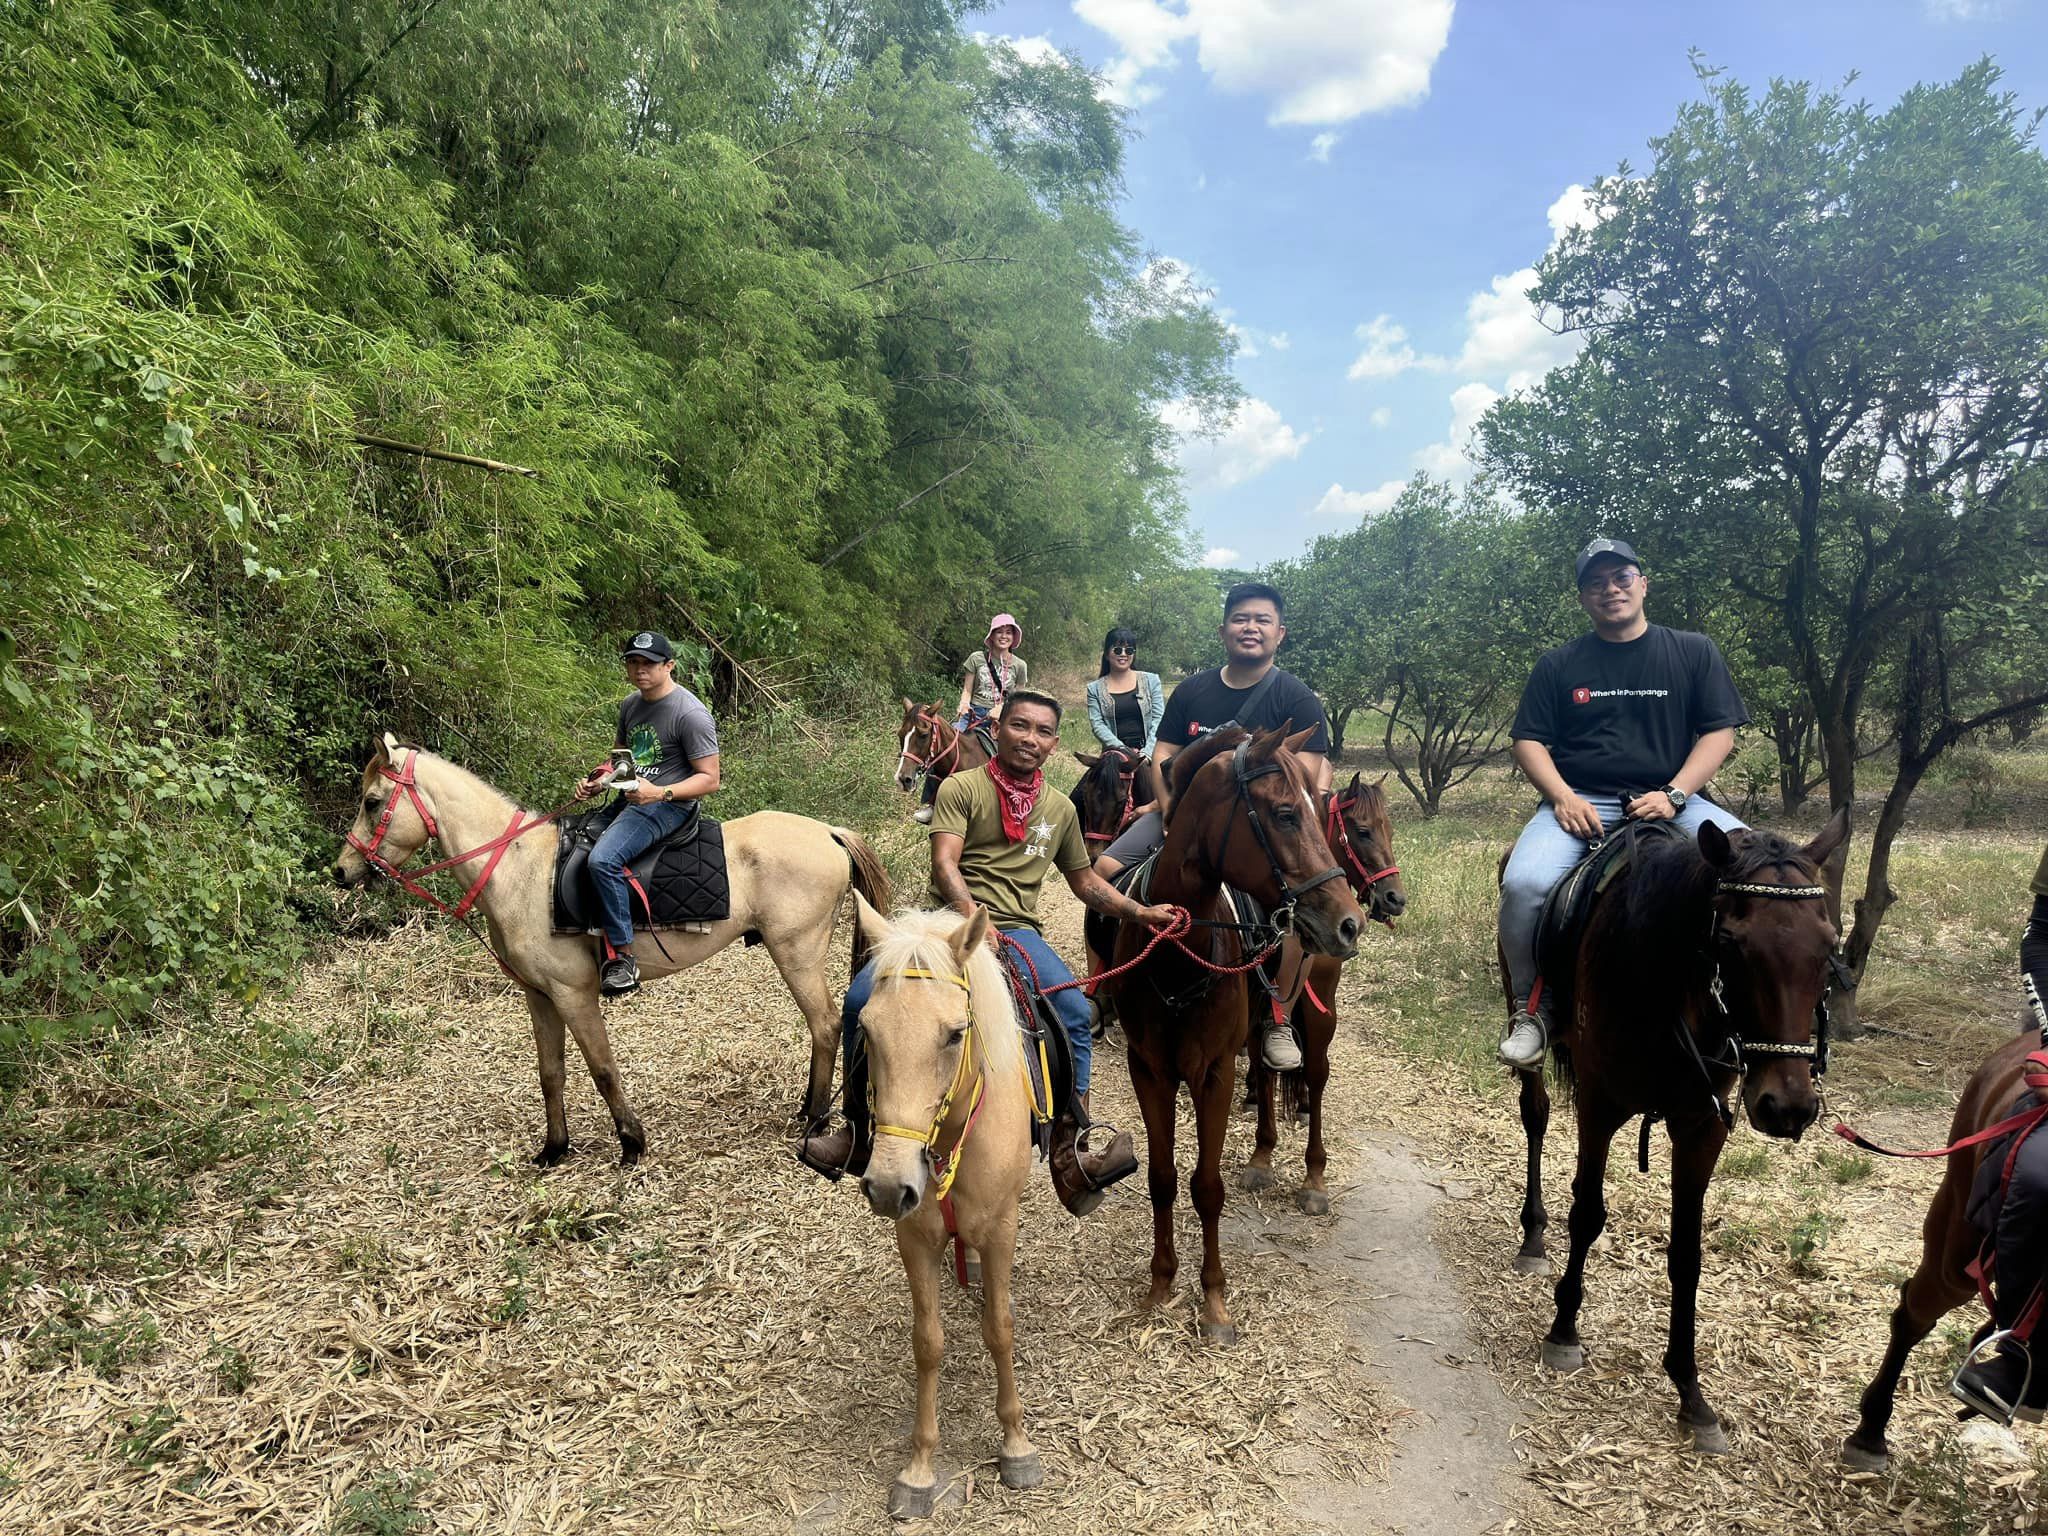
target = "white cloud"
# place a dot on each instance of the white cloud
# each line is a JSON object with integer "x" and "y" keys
{"x": 1278, "y": 341}
{"x": 1314, "y": 61}
{"x": 1338, "y": 502}
{"x": 1381, "y": 418}
{"x": 1387, "y": 353}
{"x": 1320, "y": 146}
{"x": 1957, "y": 10}
{"x": 1202, "y": 182}
{"x": 1573, "y": 209}
{"x": 1219, "y": 559}
{"x": 1251, "y": 442}
{"x": 1506, "y": 337}
{"x": 1449, "y": 459}
{"x": 1037, "y": 49}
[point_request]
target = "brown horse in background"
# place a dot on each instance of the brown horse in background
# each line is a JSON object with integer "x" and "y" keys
{"x": 1948, "y": 1244}
{"x": 932, "y": 748}
{"x": 1243, "y": 815}
{"x": 1704, "y": 967}
{"x": 1360, "y": 832}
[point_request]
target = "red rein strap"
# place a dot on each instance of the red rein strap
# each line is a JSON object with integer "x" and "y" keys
{"x": 2036, "y": 1078}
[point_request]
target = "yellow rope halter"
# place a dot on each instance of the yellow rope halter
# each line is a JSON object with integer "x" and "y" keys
{"x": 945, "y": 1166}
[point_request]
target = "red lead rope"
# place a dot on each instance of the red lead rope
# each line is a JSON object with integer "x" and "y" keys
{"x": 2035, "y": 1078}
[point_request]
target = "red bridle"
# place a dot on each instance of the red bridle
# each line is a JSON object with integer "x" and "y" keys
{"x": 950, "y": 750}
{"x": 1338, "y": 835}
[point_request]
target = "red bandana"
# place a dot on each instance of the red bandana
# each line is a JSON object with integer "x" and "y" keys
{"x": 1015, "y": 800}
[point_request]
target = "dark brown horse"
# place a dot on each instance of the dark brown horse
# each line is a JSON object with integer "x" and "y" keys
{"x": 1243, "y": 815}
{"x": 931, "y": 747}
{"x": 1117, "y": 782}
{"x": 1948, "y": 1242}
{"x": 1703, "y": 968}
{"x": 1361, "y": 834}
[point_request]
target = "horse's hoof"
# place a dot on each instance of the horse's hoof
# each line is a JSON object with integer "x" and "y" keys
{"x": 1532, "y": 1263}
{"x": 1708, "y": 1439}
{"x": 910, "y": 1503}
{"x": 629, "y": 1153}
{"x": 1024, "y": 1471}
{"x": 1564, "y": 1358}
{"x": 548, "y": 1156}
{"x": 1218, "y": 1333}
{"x": 1251, "y": 1176}
{"x": 1313, "y": 1202}
{"x": 1860, "y": 1459}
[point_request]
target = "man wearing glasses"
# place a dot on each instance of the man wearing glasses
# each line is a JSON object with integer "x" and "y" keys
{"x": 1628, "y": 722}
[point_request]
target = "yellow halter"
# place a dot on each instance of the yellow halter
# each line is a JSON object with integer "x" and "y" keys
{"x": 946, "y": 1165}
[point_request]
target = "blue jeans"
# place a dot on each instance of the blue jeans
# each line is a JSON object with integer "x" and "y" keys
{"x": 630, "y": 830}
{"x": 1544, "y": 854}
{"x": 1071, "y": 1005}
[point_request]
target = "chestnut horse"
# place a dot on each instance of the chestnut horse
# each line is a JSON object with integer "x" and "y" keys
{"x": 932, "y": 748}
{"x": 1704, "y": 966}
{"x": 789, "y": 875}
{"x": 953, "y": 1112}
{"x": 1948, "y": 1244}
{"x": 1360, "y": 832}
{"x": 1243, "y": 815}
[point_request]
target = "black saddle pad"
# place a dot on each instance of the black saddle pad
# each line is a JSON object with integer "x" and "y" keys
{"x": 678, "y": 881}
{"x": 1569, "y": 907}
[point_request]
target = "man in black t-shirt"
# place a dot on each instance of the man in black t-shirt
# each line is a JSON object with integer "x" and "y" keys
{"x": 1251, "y": 691}
{"x": 1627, "y": 722}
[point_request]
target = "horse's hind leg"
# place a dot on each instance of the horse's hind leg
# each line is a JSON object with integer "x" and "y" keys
{"x": 804, "y": 975}
{"x": 1930, "y": 1295}
{"x": 1212, "y": 1123}
{"x": 548, "y": 1041}
{"x": 1533, "y": 1260}
{"x": 1018, "y": 1465}
{"x": 1597, "y": 1125}
{"x": 915, "y": 1493}
{"x": 1258, "y": 1173}
{"x": 587, "y": 1025}
{"x": 1694, "y": 1151}
{"x": 1156, "y": 1103}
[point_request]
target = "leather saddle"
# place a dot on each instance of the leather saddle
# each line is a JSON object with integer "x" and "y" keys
{"x": 1048, "y": 1058}
{"x": 678, "y": 882}
{"x": 1569, "y": 908}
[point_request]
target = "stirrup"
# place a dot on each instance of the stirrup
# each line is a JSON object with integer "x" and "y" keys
{"x": 1992, "y": 1340}
{"x": 1081, "y": 1149}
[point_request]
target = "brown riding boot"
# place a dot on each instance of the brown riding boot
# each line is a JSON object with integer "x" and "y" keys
{"x": 841, "y": 1149}
{"x": 1081, "y": 1176}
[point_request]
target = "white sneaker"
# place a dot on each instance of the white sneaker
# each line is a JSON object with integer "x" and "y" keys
{"x": 1281, "y": 1053}
{"x": 1522, "y": 1045}
{"x": 922, "y": 815}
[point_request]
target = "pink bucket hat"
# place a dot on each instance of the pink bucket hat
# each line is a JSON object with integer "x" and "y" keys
{"x": 999, "y": 621}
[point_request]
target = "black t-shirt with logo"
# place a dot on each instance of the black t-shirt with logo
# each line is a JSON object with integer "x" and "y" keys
{"x": 1205, "y": 701}
{"x": 1620, "y": 716}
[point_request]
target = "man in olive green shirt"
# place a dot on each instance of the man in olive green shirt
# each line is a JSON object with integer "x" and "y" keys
{"x": 996, "y": 833}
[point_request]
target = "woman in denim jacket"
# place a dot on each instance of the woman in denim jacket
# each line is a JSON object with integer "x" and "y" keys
{"x": 1125, "y": 705}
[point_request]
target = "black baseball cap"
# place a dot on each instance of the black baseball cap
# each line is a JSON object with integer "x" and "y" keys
{"x": 1599, "y": 547}
{"x": 654, "y": 647}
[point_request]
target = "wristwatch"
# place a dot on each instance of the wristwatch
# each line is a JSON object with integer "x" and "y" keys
{"x": 1675, "y": 795}
{"x": 668, "y": 794}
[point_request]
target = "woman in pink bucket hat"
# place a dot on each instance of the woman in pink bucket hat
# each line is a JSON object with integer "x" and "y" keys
{"x": 987, "y": 677}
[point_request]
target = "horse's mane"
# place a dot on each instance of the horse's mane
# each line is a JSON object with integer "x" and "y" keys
{"x": 1670, "y": 892}
{"x": 1187, "y": 764}
{"x": 922, "y": 941}
{"x": 429, "y": 755}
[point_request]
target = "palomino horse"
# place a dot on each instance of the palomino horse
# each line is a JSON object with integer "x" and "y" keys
{"x": 1360, "y": 832}
{"x": 1704, "y": 965}
{"x": 1184, "y": 1007}
{"x": 789, "y": 875}
{"x": 1948, "y": 1243}
{"x": 932, "y": 747}
{"x": 952, "y": 1110}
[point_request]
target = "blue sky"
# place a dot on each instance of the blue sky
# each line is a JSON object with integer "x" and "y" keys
{"x": 1362, "y": 184}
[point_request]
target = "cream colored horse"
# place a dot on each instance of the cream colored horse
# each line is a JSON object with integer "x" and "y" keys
{"x": 952, "y": 1107}
{"x": 788, "y": 874}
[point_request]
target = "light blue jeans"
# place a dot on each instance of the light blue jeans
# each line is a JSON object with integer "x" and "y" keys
{"x": 1544, "y": 854}
{"x": 629, "y": 831}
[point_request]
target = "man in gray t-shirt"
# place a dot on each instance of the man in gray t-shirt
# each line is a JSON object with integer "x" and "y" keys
{"x": 674, "y": 743}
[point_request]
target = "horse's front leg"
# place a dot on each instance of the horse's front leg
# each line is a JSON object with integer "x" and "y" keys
{"x": 1597, "y": 1125}
{"x": 1155, "y": 1102}
{"x": 549, "y": 1040}
{"x": 1321, "y": 1034}
{"x": 1694, "y": 1150}
{"x": 1930, "y": 1295}
{"x": 1533, "y": 1260}
{"x": 1018, "y": 1465}
{"x": 915, "y": 1492}
{"x": 804, "y": 974}
{"x": 1212, "y": 1123}
{"x": 586, "y": 1023}
{"x": 1258, "y": 1173}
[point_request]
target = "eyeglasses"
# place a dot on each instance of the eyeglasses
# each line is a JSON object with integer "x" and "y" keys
{"x": 1620, "y": 580}
{"x": 1123, "y": 650}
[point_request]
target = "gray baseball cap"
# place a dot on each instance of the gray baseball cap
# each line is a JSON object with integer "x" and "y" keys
{"x": 1599, "y": 547}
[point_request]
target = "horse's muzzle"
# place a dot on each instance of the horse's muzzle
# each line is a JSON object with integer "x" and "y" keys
{"x": 1325, "y": 937}
{"x": 1784, "y": 1117}
{"x": 891, "y": 1199}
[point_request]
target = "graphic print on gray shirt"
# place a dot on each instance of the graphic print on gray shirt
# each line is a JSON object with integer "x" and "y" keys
{"x": 667, "y": 735}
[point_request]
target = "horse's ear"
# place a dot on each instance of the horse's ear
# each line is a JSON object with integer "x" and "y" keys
{"x": 970, "y": 935}
{"x": 1714, "y": 845}
{"x": 1830, "y": 854}
{"x": 908, "y": 707}
{"x": 1299, "y": 739}
{"x": 1378, "y": 783}
{"x": 1265, "y": 744}
{"x": 389, "y": 746}
{"x": 1087, "y": 760}
{"x": 1356, "y": 784}
{"x": 872, "y": 926}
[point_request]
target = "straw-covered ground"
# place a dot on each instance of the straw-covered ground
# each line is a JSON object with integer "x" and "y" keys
{"x": 381, "y": 1318}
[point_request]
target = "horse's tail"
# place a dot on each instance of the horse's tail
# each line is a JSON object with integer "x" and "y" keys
{"x": 869, "y": 878}
{"x": 1294, "y": 1094}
